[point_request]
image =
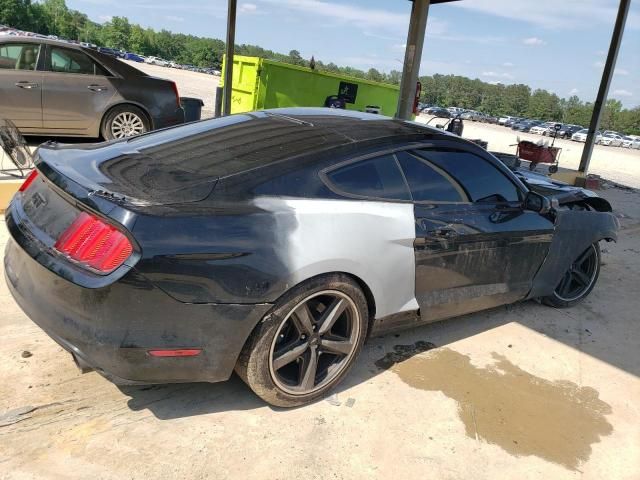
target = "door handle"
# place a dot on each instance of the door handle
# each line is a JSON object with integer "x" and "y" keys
{"x": 27, "y": 85}
{"x": 97, "y": 88}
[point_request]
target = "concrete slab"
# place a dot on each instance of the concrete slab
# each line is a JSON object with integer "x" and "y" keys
{"x": 524, "y": 391}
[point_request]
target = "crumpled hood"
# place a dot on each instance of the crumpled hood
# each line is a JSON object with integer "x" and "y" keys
{"x": 562, "y": 192}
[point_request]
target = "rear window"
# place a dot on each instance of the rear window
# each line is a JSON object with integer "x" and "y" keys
{"x": 65, "y": 60}
{"x": 18, "y": 56}
{"x": 377, "y": 177}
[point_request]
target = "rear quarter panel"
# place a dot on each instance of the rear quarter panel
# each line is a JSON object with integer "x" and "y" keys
{"x": 155, "y": 96}
{"x": 268, "y": 245}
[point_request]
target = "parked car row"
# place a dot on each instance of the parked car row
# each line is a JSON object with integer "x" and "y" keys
{"x": 577, "y": 133}
{"x": 451, "y": 112}
{"x": 112, "y": 52}
{"x": 609, "y": 138}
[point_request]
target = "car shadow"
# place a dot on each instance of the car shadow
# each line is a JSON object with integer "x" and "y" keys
{"x": 171, "y": 401}
{"x": 180, "y": 400}
{"x": 583, "y": 328}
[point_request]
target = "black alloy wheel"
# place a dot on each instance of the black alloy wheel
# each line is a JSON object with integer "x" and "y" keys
{"x": 306, "y": 345}
{"x": 578, "y": 280}
{"x": 314, "y": 342}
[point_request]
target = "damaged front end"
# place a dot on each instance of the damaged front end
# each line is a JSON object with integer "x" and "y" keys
{"x": 562, "y": 194}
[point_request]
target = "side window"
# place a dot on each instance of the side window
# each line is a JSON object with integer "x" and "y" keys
{"x": 429, "y": 183}
{"x": 19, "y": 56}
{"x": 482, "y": 181}
{"x": 64, "y": 60}
{"x": 376, "y": 177}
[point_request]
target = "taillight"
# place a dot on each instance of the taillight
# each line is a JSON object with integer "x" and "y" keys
{"x": 29, "y": 180}
{"x": 175, "y": 89}
{"x": 94, "y": 243}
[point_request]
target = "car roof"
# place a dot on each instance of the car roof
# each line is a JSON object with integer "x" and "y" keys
{"x": 238, "y": 144}
{"x": 229, "y": 145}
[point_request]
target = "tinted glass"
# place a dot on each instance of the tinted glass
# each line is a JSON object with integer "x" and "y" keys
{"x": 64, "y": 60}
{"x": 426, "y": 183}
{"x": 18, "y": 56}
{"x": 482, "y": 181}
{"x": 377, "y": 177}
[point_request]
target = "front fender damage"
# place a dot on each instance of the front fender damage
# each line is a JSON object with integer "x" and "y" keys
{"x": 574, "y": 231}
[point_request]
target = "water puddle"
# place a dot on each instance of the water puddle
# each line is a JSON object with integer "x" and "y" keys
{"x": 507, "y": 406}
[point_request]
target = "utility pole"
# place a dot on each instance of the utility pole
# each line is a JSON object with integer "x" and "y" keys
{"x": 603, "y": 91}
{"x": 228, "y": 71}
{"x": 412, "y": 57}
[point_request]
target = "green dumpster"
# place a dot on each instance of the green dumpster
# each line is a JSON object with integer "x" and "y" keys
{"x": 259, "y": 83}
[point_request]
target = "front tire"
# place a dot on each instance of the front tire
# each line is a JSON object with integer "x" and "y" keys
{"x": 306, "y": 345}
{"x": 124, "y": 121}
{"x": 577, "y": 282}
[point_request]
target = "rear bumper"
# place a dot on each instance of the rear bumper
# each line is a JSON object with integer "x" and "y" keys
{"x": 111, "y": 329}
{"x": 170, "y": 120}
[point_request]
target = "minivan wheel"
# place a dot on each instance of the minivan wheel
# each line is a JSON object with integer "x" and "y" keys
{"x": 124, "y": 121}
{"x": 577, "y": 282}
{"x": 306, "y": 345}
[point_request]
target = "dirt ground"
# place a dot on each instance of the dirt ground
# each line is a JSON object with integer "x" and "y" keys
{"x": 621, "y": 165}
{"x": 525, "y": 389}
{"x": 190, "y": 84}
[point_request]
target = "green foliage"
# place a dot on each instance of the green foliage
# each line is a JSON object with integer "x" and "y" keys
{"x": 518, "y": 100}
{"x": 52, "y": 17}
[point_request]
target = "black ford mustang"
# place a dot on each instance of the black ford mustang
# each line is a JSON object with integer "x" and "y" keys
{"x": 275, "y": 242}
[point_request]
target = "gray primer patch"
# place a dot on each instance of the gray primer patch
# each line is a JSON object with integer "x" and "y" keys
{"x": 371, "y": 240}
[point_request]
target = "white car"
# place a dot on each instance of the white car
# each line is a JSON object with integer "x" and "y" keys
{"x": 503, "y": 120}
{"x": 629, "y": 140}
{"x": 156, "y": 61}
{"x": 581, "y": 136}
{"x": 610, "y": 140}
{"x": 543, "y": 129}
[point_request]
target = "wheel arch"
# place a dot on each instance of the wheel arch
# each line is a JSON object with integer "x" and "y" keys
{"x": 574, "y": 232}
{"x": 366, "y": 289}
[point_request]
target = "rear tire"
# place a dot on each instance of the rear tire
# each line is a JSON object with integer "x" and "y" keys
{"x": 577, "y": 282}
{"x": 300, "y": 350}
{"x": 124, "y": 121}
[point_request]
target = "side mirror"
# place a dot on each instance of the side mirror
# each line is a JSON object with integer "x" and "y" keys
{"x": 537, "y": 203}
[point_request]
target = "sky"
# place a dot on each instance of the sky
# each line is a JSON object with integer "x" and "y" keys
{"x": 558, "y": 45}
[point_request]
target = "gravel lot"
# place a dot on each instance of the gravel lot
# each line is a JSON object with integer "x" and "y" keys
{"x": 190, "y": 84}
{"x": 621, "y": 165}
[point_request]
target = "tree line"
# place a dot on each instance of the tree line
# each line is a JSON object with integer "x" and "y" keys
{"x": 53, "y": 17}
